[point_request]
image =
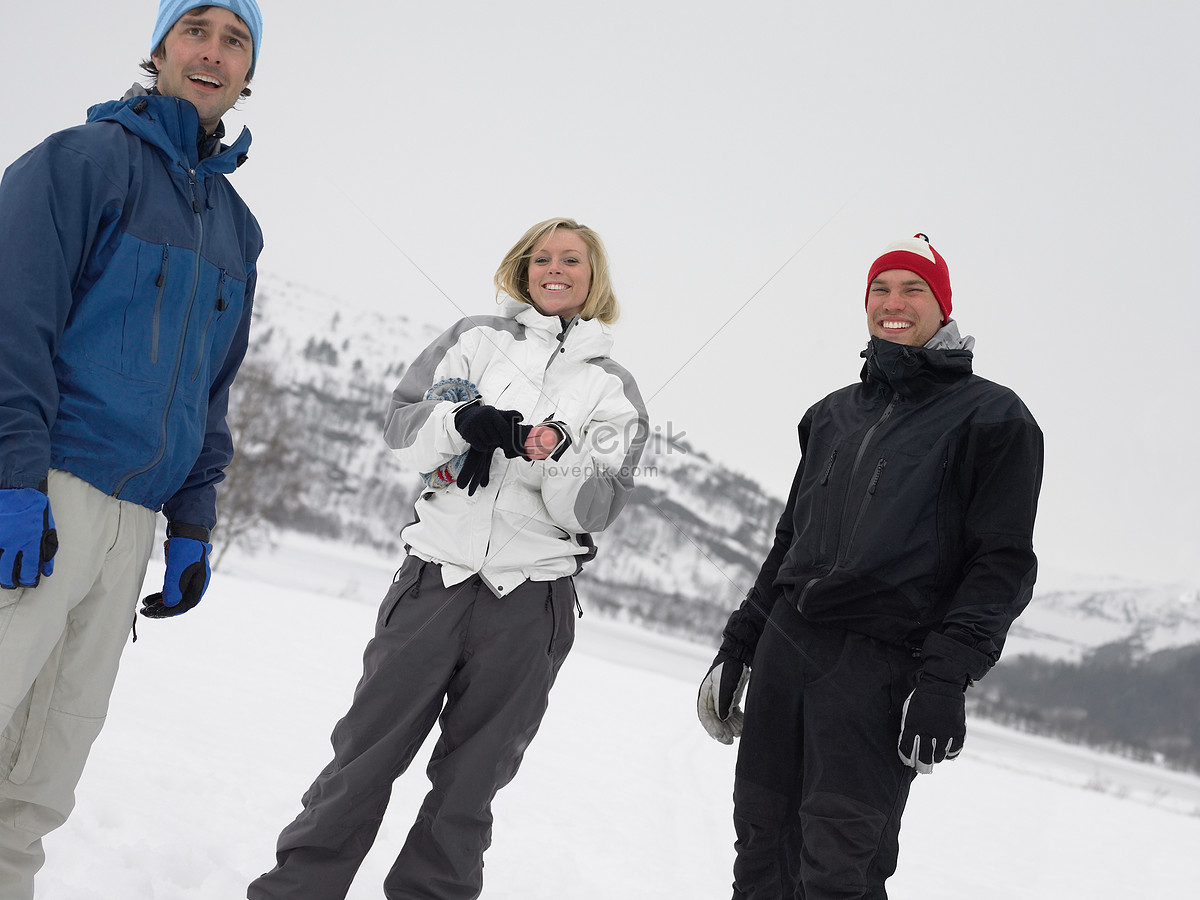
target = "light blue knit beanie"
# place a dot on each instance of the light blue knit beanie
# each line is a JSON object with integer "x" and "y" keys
{"x": 170, "y": 11}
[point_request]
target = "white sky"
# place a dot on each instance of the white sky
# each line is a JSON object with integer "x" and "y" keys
{"x": 1047, "y": 148}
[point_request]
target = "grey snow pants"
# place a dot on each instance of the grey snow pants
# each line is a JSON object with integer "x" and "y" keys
{"x": 819, "y": 787}
{"x": 485, "y": 665}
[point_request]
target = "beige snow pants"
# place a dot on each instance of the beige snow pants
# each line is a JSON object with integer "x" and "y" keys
{"x": 60, "y": 644}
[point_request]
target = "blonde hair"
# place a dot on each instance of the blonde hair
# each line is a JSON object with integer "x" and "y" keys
{"x": 512, "y": 278}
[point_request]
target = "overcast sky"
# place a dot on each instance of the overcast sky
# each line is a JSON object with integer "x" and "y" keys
{"x": 1048, "y": 149}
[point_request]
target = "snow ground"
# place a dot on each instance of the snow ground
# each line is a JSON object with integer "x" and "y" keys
{"x": 221, "y": 719}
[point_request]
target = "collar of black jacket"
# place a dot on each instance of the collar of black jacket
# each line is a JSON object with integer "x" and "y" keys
{"x": 913, "y": 371}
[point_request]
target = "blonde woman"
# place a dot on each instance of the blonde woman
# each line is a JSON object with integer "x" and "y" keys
{"x": 480, "y": 615}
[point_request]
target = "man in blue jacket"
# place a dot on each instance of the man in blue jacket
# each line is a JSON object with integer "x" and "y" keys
{"x": 127, "y": 271}
{"x": 903, "y": 555}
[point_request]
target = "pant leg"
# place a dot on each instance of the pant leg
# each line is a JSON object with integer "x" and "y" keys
{"x": 418, "y": 642}
{"x": 819, "y": 788}
{"x": 60, "y": 646}
{"x": 494, "y": 707}
{"x": 855, "y": 785}
{"x": 767, "y": 780}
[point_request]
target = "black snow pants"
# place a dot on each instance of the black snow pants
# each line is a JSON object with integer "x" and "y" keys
{"x": 486, "y": 665}
{"x": 819, "y": 787}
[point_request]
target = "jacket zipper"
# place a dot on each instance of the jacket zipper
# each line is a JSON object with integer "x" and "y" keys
{"x": 828, "y": 468}
{"x": 561, "y": 338}
{"x": 539, "y": 388}
{"x": 862, "y": 449}
{"x": 553, "y": 617}
{"x": 940, "y": 519}
{"x": 828, "y": 503}
{"x": 161, "y": 284}
{"x": 862, "y": 509}
{"x": 166, "y": 410}
{"x": 219, "y": 305}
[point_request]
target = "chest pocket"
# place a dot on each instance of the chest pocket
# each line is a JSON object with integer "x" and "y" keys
{"x": 122, "y": 321}
{"x": 159, "y": 315}
{"x": 217, "y": 316}
{"x": 135, "y": 316}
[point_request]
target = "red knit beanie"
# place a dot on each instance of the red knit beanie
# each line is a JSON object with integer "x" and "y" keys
{"x": 916, "y": 254}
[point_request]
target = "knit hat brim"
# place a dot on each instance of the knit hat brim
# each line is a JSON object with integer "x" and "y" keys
{"x": 170, "y": 11}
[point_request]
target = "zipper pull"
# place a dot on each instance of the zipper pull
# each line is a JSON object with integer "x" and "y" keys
{"x": 162, "y": 272}
{"x": 828, "y": 468}
{"x": 192, "y": 181}
{"x": 875, "y": 480}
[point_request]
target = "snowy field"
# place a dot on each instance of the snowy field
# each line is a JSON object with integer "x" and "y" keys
{"x": 221, "y": 719}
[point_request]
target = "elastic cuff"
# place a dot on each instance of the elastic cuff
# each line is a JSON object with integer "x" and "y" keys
{"x": 195, "y": 532}
{"x": 723, "y": 657}
{"x": 564, "y": 436}
{"x": 737, "y": 652}
{"x": 950, "y": 660}
{"x": 18, "y": 483}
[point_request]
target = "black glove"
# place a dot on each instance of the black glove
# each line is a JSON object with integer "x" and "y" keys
{"x": 719, "y": 696}
{"x": 933, "y": 723}
{"x": 475, "y": 471}
{"x": 487, "y": 428}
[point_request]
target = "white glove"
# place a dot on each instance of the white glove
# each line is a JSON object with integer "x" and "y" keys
{"x": 721, "y": 692}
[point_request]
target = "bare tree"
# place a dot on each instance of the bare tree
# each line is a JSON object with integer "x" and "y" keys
{"x": 271, "y": 465}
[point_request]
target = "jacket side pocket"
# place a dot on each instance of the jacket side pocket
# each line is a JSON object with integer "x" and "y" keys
{"x": 408, "y": 577}
{"x": 563, "y": 604}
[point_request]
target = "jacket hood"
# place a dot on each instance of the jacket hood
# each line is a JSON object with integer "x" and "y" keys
{"x": 173, "y": 126}
{"x": 948, "y": 337}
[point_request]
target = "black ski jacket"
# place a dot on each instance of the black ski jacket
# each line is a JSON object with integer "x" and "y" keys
{"x": 911, "y": 512}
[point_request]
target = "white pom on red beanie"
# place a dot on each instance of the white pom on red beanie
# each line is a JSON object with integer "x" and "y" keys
{"x": 916, "y": 254}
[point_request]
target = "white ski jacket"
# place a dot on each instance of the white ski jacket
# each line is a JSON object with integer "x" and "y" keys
{"x": 533, "y": 520}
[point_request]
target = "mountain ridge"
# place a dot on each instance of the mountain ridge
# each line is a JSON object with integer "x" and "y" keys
{"x": 681, "y": 556}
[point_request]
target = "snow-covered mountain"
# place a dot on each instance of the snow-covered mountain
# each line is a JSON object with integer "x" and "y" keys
{"x": 1066, "y": 622}
{"x": 680, "y": 557}
{"x": 308, "y": 417}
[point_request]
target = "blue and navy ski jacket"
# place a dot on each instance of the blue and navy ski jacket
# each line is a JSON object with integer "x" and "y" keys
{"x": 127, "y": 272}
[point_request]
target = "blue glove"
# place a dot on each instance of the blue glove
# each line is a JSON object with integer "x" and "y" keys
{"x": 28, "y": 540}
{"x": 187, "y": 573}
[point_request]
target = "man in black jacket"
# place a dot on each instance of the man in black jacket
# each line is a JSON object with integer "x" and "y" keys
{"x": 903, "y": 555}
